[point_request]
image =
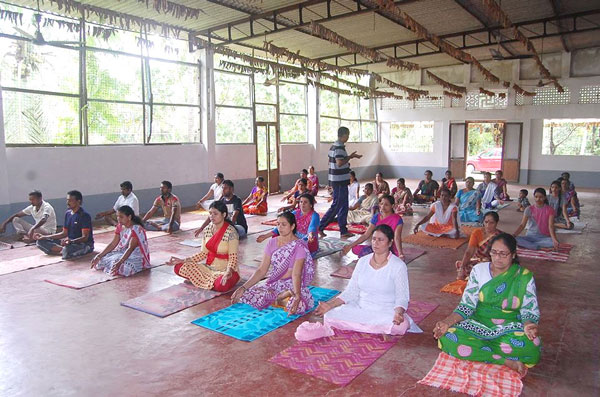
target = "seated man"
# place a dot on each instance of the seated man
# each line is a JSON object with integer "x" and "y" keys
{"x": 309, "y": 185}
{"x": 235, "y": 211}
{"x": 215, "y": 192}
{"x": 362, "y": 211}
{"x": 425, "y": 192}
{"x": 76, "y": 238}
{"x": 171, "y": 208}
{"x": 487, "y": 190}
{"x": 126, "y": 198}
{"x": 43, "y": 216}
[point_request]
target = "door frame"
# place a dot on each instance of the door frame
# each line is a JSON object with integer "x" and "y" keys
{"x": 467, "y": 122}
{"x": 464, "y": 147}
{"x": 269, "y": 171}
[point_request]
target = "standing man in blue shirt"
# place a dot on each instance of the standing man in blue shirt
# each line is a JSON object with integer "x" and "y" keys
{"x": 76, "y": 238}
{"x": 339, "y": 179}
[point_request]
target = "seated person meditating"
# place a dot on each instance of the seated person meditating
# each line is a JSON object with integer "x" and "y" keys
{"x": 235, "y": 212}
{"x": 353, "y": 190}
{"x": 76, "y": 238}
{"x": 385, "y": 216}
{"x": 376, "y": 298}
{"x": 291, "y": 194}
{"x": 362, "y": 211}
{"x": 539, "y": 220}
{"x": 289, "y": 269}
{"x": 307, "y": 223}
{"x": 215, "y": 192}
{"x": 425, "y": 192}
{"x": 449, "y": 183}
{"x": 468, "y": 201}
{"x": 126, "y": 198}
{"x": 501, "y": 186}
{"x": 313, "y": 178}
{"x": 128, "y": 252}
{"x": 256, "y": 202}
{"x": 487, "y": 191}
{"x": 523, "y": 201}
{"x": 556, "y": 200}
{"x": 403, "y": 198}
{"x": 43, "y": 216}
{"x": 478, "y": 249}
{"x": 302, "y": 189}
{"x": 497, "y": 318}
{"x": 216, "y": 265}
{"x": 171, "y": 208}
{"x": 380, "y": 185}
{"x": 570, "y": 196}
{"x": 442, "y": 219}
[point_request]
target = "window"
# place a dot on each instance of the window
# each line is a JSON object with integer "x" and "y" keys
{"x": 571, "y": 137}
{"x": 412, "y": 136}
{"x": 358, "y": 114}
{"x": 129, "y": 94}
{"x": 233, "y": 107}
{"x": 292, "y": 111}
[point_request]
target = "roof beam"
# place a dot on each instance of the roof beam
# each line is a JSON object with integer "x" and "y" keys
{"x": 482, "y": 20}
{"x": 556, "y": 9}
{"x": 272, "y": 17}
{"x": 463, "y": 35}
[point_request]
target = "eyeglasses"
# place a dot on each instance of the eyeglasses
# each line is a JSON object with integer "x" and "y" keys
{"x": 501, "y": 254}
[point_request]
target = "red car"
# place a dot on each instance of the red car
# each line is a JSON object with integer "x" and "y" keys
{"x": 489, "y": 160}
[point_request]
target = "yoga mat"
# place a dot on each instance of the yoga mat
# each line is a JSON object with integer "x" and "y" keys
{"x": 473, "y": 378}
{"x": 328, "y": 246}
{"x": 192, "y": 243}
{"x": 34, "y": 261}
{"x": 578, "y": 227}
{"x": 456, "y": 287}
{"x": 426, "y": 240}
{"x": 173, "y": 299}
{"x": 498, "y": 208}
{"x": 29, "y": 262}
{"x": 410, "y": 254}
{"x": 355, "y": 228}
{"x": 547, "y": 254}
{"x": 243, "y": 322}
{"x": 85, "y": 277}
{"x": 341, "y": 358}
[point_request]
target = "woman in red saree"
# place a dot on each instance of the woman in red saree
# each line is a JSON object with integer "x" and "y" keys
{"x": 256, "y": 202}
{"x": 215, "y": 266}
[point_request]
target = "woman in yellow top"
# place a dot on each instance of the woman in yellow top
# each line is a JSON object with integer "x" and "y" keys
{"x": 216, "y": 265}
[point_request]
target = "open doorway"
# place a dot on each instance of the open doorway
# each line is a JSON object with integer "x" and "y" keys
{"x": 484, "y": 147}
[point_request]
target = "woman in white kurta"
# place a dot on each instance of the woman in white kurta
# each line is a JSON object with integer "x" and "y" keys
{"x": 376, "y": 299}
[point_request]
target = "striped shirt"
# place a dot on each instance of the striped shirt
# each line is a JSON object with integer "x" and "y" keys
{"x": 338, "y": 175}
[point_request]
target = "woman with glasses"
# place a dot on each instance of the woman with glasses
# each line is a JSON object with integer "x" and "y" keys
{"x": 497, "y": 318}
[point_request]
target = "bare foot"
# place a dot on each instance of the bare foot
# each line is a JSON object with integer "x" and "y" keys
{"x": 322, "y": 234}
{"x": 516, "y": 366}
{"x": 280, "y": 301}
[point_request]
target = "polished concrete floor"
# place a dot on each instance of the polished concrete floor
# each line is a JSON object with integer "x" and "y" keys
{"x": 57, "y": 341}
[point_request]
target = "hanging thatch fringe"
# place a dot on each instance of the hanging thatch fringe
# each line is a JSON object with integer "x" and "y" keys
{"x": 12, "y": 16}
{"x": 447, "y": 85}
{"x": 521, "y": 91}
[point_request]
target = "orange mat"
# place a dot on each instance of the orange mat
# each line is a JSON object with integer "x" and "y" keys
{"x": 457, "y": 287}
{"x": 426, "y": 240}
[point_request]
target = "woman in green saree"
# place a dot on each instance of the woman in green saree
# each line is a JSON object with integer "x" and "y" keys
{"x": 497, "y": 318}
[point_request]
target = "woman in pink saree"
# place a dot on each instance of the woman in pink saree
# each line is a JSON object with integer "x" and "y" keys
{"x": 289, "y": 269}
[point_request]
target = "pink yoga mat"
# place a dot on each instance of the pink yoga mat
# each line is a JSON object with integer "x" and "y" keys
{"x": 341, "y": 358}
{"x": 83, "y": 277}
{"x": 178, "y": 297}
{"x": 410, "y": 254}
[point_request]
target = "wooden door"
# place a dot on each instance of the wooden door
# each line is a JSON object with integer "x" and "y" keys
{"x": 457, "y": 149}
{"x": 511, "y": 151}
{"x": 267, "y": 154}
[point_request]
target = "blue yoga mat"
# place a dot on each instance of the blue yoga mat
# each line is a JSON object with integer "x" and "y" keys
{"x": 243, "y": 322}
